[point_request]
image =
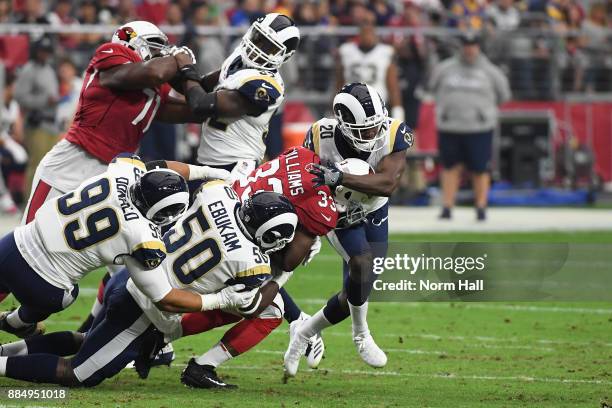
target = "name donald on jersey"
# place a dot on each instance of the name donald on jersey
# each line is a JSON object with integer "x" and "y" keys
{"x": 128, "y": 210}
{"x": 224, "y": 224}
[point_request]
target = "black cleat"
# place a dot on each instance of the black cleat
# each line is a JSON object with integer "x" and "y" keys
{"x": 203, "y": 376}
{"x": 445, "y": 214}
{"x": 481, "y": 214}
{"x": 31, "y": 330}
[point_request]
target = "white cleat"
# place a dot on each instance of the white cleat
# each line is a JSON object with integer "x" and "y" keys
{"x": 297, "y": 347}
{"x": 314, "y": 351}
{"x": 369, "y": 351}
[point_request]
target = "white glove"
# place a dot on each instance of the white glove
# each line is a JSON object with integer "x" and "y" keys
{"x": 229, "y": 298}
{"x": 208, "y": 173}
{"x": 314, "y": 249}
{"x": 397, "y": 112}
{"x": 242, "y": 169}
{"x": 174, "y": 50}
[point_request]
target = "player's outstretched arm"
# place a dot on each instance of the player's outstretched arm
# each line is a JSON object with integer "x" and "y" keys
{"x": 140, "y": 75}
{"x": 382, "y": 183}
{"x": 191, "y": 172}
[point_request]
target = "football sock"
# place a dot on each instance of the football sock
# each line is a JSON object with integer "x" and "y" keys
{"x": 59, "y": 343}
{"x": 16, "y": 348}
{"x": 15, "y": 320}
{"x": 248, "y": 333}
{"x": 333, "y": 312}
{"x": 26, "y": 316}
{"x": 3, "y": 366}
{"x": 359, "y": 315}
{"x": 3, "y": 296}
{"x": 315, "y": 324}
{"x": 357, "y": 292}
{"x": 194, "y": 323}
{"x": 217, "y": 355}
{"x": 33, "y": 368}
{"x": 292, "y": 310}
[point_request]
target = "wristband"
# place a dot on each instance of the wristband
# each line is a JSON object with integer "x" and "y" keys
{"x": 210, "y": 302}
{"x": 197, "y": 172}
{"x": 189, "y": 73}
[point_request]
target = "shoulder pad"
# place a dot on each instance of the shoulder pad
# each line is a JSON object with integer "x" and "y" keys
{"x": 401, "y": 136}
{"x": 252, "y": 277}
{"x": 263, "y": 90}
{"x": 150, "y": 254}
{"x": 131, "y": 159}
{"x": 109, "y": 55}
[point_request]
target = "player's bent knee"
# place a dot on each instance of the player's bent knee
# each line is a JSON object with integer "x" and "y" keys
{"x": 361, "y": 267}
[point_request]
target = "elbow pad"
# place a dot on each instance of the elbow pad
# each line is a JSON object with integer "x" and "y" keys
{"x": 202, "y": 103}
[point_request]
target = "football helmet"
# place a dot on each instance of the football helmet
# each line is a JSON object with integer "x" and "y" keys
{"x": 161, "y": 195}
{"x": 143, "y": 37}
{"x": 362, "y": 116}
{"x": 269, "y": 42}
{"x": 268, "y": 219}
{"x": 353, "y": 206}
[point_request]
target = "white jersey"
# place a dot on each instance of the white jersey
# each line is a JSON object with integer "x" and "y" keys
{"x": 92, "y": 226}
{"x": 226, "y": 141}
{"x": 207, "y": 251}
{"x": 325, "y": 139}
{"x": 369, "y": 67}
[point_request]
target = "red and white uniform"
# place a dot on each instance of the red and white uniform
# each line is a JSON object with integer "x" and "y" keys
{"x": 107, "y": 122}
{"x": 288, "y": 175}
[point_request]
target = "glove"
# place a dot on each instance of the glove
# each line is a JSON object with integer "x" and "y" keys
{"x": 174, "y": 50}
{"x": 230, "y": 297}
{"x": 328, "y": 176}
{"x": 314, "y": 250}
{"x": 208, "y": 173}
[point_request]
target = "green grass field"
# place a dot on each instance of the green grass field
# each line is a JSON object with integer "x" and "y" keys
{"x": 440, "y": 354}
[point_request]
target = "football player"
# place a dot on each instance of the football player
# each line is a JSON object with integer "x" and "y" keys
{"x": 317, "y": 215}
{"x": 218, "y": 242}
{"x": 361, "y": 129}
{"x": 111, "y": 219}
{"x": 124, "y": 90}
{"x": 236, "y": 102}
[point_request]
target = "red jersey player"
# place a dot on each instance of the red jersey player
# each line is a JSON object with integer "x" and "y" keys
{"x": 317, "y": 215}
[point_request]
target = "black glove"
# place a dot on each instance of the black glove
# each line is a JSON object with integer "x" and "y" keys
{"x": 329, "y": 176}
{"x": 149, "y": 349}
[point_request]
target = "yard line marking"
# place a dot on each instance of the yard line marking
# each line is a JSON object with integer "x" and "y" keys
{"x": 449, "y": 376}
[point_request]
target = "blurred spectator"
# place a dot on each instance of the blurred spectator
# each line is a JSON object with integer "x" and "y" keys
{"x": 126, "y": 12}
{"x": 372, "y": 62}
{"x": 174, "y": 17}
{"x": 11, "y": 134}
{"x": 245, "y": 13}
{"x": 62, "y": 15}
{"x": 504, "y": 15}
{"x": 383, "y": 11}
{"x": 88, "y": 42}
{"x": 33, "y": 13}
{"x": 467, "y": 14}
{"x": 412, "y": 54}
{"x": 209, "y": 50}
{"x": 36, "y": 91}
{"x": 467, "y": 89}
{"x": 70, "y": 84}
{"x": 598, "y": 48}
{"x": 153, "y": 11}
{"x": 6, "y": 9}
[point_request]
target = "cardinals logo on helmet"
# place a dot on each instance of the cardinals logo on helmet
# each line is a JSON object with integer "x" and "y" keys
{"x": 126, "y": 34}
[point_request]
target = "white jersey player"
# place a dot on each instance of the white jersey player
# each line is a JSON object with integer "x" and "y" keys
{"x": 372, "y": 62}
{"x": 218, "y": 243}
{"x": 108, "y": 218}
{"x": 243, "y": 94}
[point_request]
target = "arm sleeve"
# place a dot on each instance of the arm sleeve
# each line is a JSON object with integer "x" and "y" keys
{"x": 151, "y": 282}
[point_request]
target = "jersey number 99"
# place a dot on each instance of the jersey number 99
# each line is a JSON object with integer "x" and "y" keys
{"x": 99, "y": 225}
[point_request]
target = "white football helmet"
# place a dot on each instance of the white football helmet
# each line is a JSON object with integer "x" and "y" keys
{"x": 143, "y": 37}
{"x": 353, "y": 206}
{"x": 269, "y": 42}
{"x": 362, "y": 116}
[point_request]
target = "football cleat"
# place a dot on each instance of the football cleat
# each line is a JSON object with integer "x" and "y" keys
{"x": 31, "y": 330}
{"x": 314, "y": 351}
{"x": 203, "y": 376}
{"x": 369, "y": 351}
{"x": 297, "y": 348}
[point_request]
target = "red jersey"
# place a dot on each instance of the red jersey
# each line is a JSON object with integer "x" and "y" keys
{"x": 287, "y": 174}
{"x": 110, "y": 121}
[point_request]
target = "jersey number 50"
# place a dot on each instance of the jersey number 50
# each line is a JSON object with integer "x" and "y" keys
{"x": 197, "y": 259}
{"x": 99, "y": 225}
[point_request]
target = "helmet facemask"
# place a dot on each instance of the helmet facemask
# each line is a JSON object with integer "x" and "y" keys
{"x": 261, "y": 49}
{"x": 367, "y": 136}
